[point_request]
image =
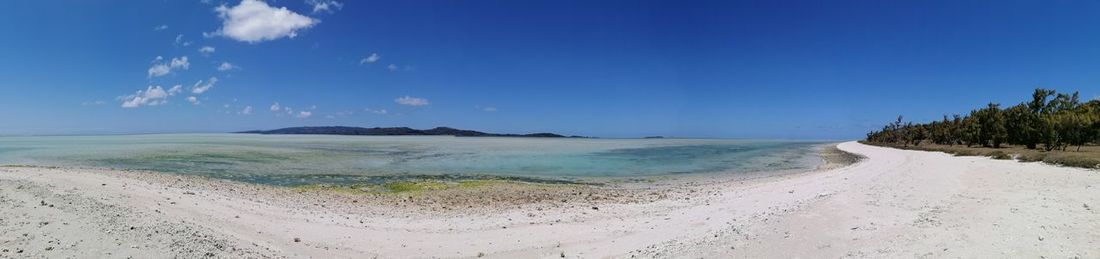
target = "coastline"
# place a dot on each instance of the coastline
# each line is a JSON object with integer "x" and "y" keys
{"x": 483, "y": 196}
{"x": 893, "y": 203}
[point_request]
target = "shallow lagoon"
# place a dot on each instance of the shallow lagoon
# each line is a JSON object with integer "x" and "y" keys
{"x": 306, "y": 159}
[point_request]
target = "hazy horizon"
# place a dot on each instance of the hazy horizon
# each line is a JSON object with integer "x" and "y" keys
{"x": 614, "y": 69}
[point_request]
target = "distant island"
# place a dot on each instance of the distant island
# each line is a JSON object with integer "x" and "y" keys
{"x": 398, "y": 131}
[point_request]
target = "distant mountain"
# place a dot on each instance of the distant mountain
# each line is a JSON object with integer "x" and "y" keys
{"x": 397, "y": 131}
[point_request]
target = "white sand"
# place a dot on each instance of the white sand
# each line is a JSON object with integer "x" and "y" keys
{"x": 894, "y": 204}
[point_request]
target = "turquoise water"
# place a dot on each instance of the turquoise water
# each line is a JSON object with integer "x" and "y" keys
{"x": 304, "y": 159}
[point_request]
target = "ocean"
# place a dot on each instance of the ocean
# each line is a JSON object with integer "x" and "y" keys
{"x": 310, "y": 159}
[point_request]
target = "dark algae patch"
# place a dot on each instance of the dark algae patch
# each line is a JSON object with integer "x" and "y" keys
{"x": 836, "y": 158}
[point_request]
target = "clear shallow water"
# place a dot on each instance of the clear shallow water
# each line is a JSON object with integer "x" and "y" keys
{"x": 304, "y": 159}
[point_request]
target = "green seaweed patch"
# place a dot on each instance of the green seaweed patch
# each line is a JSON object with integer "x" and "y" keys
{"x": 415, "y": 186}
{"x": 475, "y": 184}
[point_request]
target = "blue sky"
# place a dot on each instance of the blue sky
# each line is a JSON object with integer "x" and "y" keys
{"x": 742, "y": 69}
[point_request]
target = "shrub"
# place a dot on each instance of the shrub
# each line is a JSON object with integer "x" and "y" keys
{"x": 999, "y": 155}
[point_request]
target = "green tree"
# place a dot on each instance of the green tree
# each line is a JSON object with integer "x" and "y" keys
{"x": 1092, "y": 110}
{"x": 992, "y": 126}
{"x": 1049, "y": 127}
{"x": 971, "y": 131}
{"x": 1038, "y": 104}
{"x": 1073, "y": 129}
{"x": 1064, "y": 102}
{"x": 1052, "y": 119}
{"x": 957, "y": 130}
{"x": 1021, "y": 124}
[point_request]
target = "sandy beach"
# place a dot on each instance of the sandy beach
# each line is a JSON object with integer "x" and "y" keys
{"x": 893, "y": 203}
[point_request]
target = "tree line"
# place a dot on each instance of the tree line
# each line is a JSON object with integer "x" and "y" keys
{"x": 1051, "y": 120}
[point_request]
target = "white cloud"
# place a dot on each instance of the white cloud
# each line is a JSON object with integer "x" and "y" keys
{"x": 254, "y": 21}
{"x": 246, "y": 111}
{"x": 379, "y": 112}
{"x": 179, "y": 41}
{"x": 489, "y": 109}
{"x": 160, "y": 69}
{"x": 392, "y": 67}
{"x": 411, "y": 101}
{"x": 374, "y": 57}
{"x": 201, "y": 87}
{"x": 303, "y": 114}
{"x": 325, "y": 6}
{"x": 226, "y": 66}
{"x": 180, "y": 62}
{"x": 207, "y": 50}
{"x": 161, "y": 27}
{"x": 275, "y": 107}
{"x": 153, "y": 95}
{"x": 175, "y": 90}
{"x": 193, "y": 100}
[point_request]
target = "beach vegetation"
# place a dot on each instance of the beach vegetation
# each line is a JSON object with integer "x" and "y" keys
{"x": 1000, "y": 155}
{"x": 1050, "y": 122}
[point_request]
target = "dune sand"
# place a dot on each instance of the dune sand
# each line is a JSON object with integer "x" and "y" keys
{"x": 895, "y": 203}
